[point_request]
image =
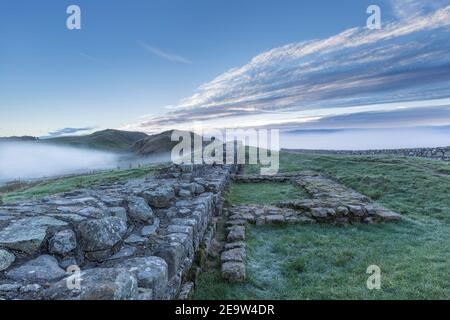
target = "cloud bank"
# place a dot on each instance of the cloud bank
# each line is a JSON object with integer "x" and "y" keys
{"x": 31, "y": 161}
{"x": 406, "y": 61}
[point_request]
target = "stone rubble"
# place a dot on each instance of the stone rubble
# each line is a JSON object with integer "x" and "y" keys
{"x": 329, "y": 202}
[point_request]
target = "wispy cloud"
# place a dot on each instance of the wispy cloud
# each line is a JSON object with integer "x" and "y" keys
{"x": 406, "y": 9}
{"x": 165, "y": 55}
{"x": 405, "y": 61}
{"x": 68, "y": 131}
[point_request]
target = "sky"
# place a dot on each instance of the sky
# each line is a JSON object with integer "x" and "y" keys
{"x": 161, "y": 64}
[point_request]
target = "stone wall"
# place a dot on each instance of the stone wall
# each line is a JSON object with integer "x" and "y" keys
{"x": 328, "y": 202}
{"x": 441, "y": 153}
{"x": 325, "y": 201}
{"x": 136, "y": 240}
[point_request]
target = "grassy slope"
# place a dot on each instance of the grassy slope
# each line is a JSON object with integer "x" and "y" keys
{"x": 327, "y": 262}
{"x": 108, "y": 140}
{"x": 71, "y": 183}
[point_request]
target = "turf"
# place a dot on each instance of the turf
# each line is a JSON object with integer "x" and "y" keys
{"x": 264, "y": 193}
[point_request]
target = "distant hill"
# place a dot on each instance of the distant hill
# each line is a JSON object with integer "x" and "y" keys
{"x": 15, "y": 139}
{"x": 109, "y": 140}
{"x": 156, "y": 144}
{"x": 116, "y": 141}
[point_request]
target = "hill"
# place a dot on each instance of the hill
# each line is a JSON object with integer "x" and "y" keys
{"x": 110, "y": 140}
{"x": 16, "y": 139}
{"x": 156, "y": 144}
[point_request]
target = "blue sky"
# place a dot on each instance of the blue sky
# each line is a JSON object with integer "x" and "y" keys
{"x": 155, "y": 65}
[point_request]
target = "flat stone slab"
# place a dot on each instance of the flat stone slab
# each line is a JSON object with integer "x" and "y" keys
{"x": 20, "y": 237}
{"x": 42, "y": 269}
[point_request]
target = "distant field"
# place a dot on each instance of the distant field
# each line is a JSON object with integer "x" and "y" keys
{"x": 44, "y": 188}
{"x": 328, "y": 262}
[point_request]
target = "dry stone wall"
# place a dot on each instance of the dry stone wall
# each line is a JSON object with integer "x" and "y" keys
{"x": 441, "y": 153}
{"x": 136, "y": 240}
{"x": 328, "y": 202}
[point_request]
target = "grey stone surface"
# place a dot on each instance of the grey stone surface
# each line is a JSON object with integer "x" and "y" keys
{"x": 236, "y": 255}
{"x": 233, "y": 271}
{"x": 160, "y": 198}
{"x": 173, "y": 254}
{"x": 42, "y": 269}
{"x": 6, "y": 259}
{"x": 236, "y": 234}
{"x": 62, "y": 242}
{"x": 151, "y": 273}
{"x": 97, "y": 284}
{"x": 8, "y": 287}
{"x": 152, "y": 229}
{"x": 27, "y": 235}
{"x": 234, "y": 245}
{"x": 275, "y": 219}
{"x": 124, "y": 252}
{"x": 135, "y": 239}
{"x": 30, "y": 288}
{"x": 102, "y": 234}
{"x": 139, "y": 210}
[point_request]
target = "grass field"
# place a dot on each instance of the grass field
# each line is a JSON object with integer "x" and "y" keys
{"x": 328, "y": 262}
{"x": 48, "y": 187}
{"x": 264, "y": 193}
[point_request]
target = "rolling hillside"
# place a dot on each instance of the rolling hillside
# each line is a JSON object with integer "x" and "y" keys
{"x": 155, "y": 144}
{"x": 110, "y": 140}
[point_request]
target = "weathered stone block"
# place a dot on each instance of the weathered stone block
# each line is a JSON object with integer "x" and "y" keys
{"x": 139, "y": 210}
{"x": 42, "y": 269}
{"x": 6, "y": 259}
{"x": 150, "y": 272}
{"x": 102, "y": 234}
{"x": 236, "y": 255}
{"x": 233, "y": 271}
{"x": 62, "y": 242}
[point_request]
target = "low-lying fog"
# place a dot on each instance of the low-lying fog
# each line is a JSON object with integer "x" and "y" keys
{"x": 365, "y": 139}
{"x": 24, "y": 160}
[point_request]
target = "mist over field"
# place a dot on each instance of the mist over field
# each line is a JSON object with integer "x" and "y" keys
{"x": 365, "y": 139}
{"x": 23, "y": 160}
